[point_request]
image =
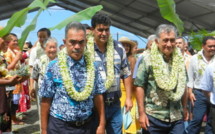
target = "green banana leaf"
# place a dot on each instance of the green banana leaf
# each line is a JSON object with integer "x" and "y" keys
{"x": 28, "y": 29}
{"x": 197, "y": 37}
{"x": 82, "y": 15}
{"x": 167, "y": 10}
{"x": 18, "y": 19}
{"x": 33, "y": 23}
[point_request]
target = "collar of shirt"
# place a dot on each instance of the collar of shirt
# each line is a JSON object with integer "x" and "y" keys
{"x": 75, "y": 62}
{"x": 204, "y": 59}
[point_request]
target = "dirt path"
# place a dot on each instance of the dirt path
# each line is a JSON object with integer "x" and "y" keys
{"x": 31, "y": 120}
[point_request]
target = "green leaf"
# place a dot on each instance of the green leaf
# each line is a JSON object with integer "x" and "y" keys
{"x": 18, "y": 19}
{"x": 37, "y": 3}
{"x": 28, "y": 29}
{"x": 167, "y": 10}
{"x": 80, "y": 16}
{"x": 33, "y": 23}
{"x": 196, "y": 39}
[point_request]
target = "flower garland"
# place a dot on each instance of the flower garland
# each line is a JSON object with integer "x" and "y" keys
{"x": 44, "y": 60}
{"x": 169, "y": 81}
{"x": 109, "y": 59}
{"x": 201, "y": 64}
{"x": 68, "y": 83}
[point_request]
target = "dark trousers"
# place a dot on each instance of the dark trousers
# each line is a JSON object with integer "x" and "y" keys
{"x": 57, "y": 126}
{"x": 201, "y": 107}
{"x": 213, "y": 117}
{"x": 162, "y": 127}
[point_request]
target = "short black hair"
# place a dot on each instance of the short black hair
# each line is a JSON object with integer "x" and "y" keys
{"x": 100, "y": 18}
{"x": 86, "y": 26}
{"x": 13, "y": 34}
{"x": 45, "y": 30}
{"x": 207, "y": 38}
{"x": 29, "y": 44}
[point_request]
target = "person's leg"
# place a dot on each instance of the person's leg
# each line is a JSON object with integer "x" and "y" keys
{"x": 212, "y": 113}
{"x": 208, "y": 127}
{"x": 177, "y": 127}
{"x": 199, "y": 109}
{"x": 157, "y": 126}
{"x": 114, "y": 118}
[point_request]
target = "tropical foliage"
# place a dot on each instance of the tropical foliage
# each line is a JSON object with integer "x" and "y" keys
{"x": 168, "y": 12}
{"x": 19, "y": 18}
{"x": 197, "y": 37}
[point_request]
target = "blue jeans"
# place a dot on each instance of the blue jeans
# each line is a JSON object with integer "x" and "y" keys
{"x": 161, "y": 127}
{"x": 113, "y": 117}
{"x": 201, "y": 107}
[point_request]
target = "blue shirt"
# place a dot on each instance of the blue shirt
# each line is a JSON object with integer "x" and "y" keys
{"x": 121, "y": 65}
{"x": 208, "y": 80}
{"x": 136, "y": 66}
{"x": 63, "y": 106}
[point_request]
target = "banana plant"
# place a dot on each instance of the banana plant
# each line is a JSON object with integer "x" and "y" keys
{"x": 19, "y": 18}
{"x": 168, "y": 12}
{"x": 80, "y": 16}
{"x": 197, "y": 37}
{"x": 33, "y": 23}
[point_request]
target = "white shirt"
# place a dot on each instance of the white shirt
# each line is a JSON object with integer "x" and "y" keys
{"x": 194, "y": 77}
{"x": 208, "y": 80}
{"x": 32, "y": 57}
{"x": 36, "y": 53}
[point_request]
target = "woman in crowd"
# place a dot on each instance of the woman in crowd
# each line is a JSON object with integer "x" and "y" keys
{"x": 129, "y": 45}
{"x": 40, "y": 65}
{"x": 5, "y": 100}
{"x": 13, "y": 57}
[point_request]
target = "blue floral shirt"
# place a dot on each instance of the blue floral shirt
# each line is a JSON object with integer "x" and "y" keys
{"x": 63, "y": 106}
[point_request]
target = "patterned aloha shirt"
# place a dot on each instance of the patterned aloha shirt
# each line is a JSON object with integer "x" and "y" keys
{"x": 157, "y": 104}
{"x": 63, "y": 106}
{"x": 121, "y": 65}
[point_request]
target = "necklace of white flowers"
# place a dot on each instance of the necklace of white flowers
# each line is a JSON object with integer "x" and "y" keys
{"x": 168, "y": 82}
{"x": 201, "y": 63}
{"x": 109, "y": 59}
{"x": 44, "y": 60}
{"x": 67, "y": 81}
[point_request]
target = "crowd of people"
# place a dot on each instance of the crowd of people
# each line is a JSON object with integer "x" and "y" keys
{"x": 93, "y": 84}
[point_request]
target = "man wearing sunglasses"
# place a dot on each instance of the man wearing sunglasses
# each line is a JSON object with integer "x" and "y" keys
{"x": 161, "y": 81}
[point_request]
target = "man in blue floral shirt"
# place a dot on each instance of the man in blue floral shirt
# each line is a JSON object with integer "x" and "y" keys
{"x": 71, "y": 87}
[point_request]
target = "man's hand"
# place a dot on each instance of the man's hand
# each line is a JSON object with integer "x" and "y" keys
{"x": 100, "y": 130}
{"x": 14, "y": 80}
{"x": 33, "y": 93}
{"x": 128, "y": 104}
{"x": 192, "y": 98}
{"x": 144, "y": 121}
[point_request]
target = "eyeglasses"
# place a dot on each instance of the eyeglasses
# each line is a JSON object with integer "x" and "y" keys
{"x": 172, "y": 40}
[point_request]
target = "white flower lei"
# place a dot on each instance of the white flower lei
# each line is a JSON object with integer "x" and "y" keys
{"x": 109, "y": 59}
{"x": 44, "y": 60}
{"x": 67, "y": 81}
{"x": 201, "y": 63}
{"x": 176, "y": 78}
